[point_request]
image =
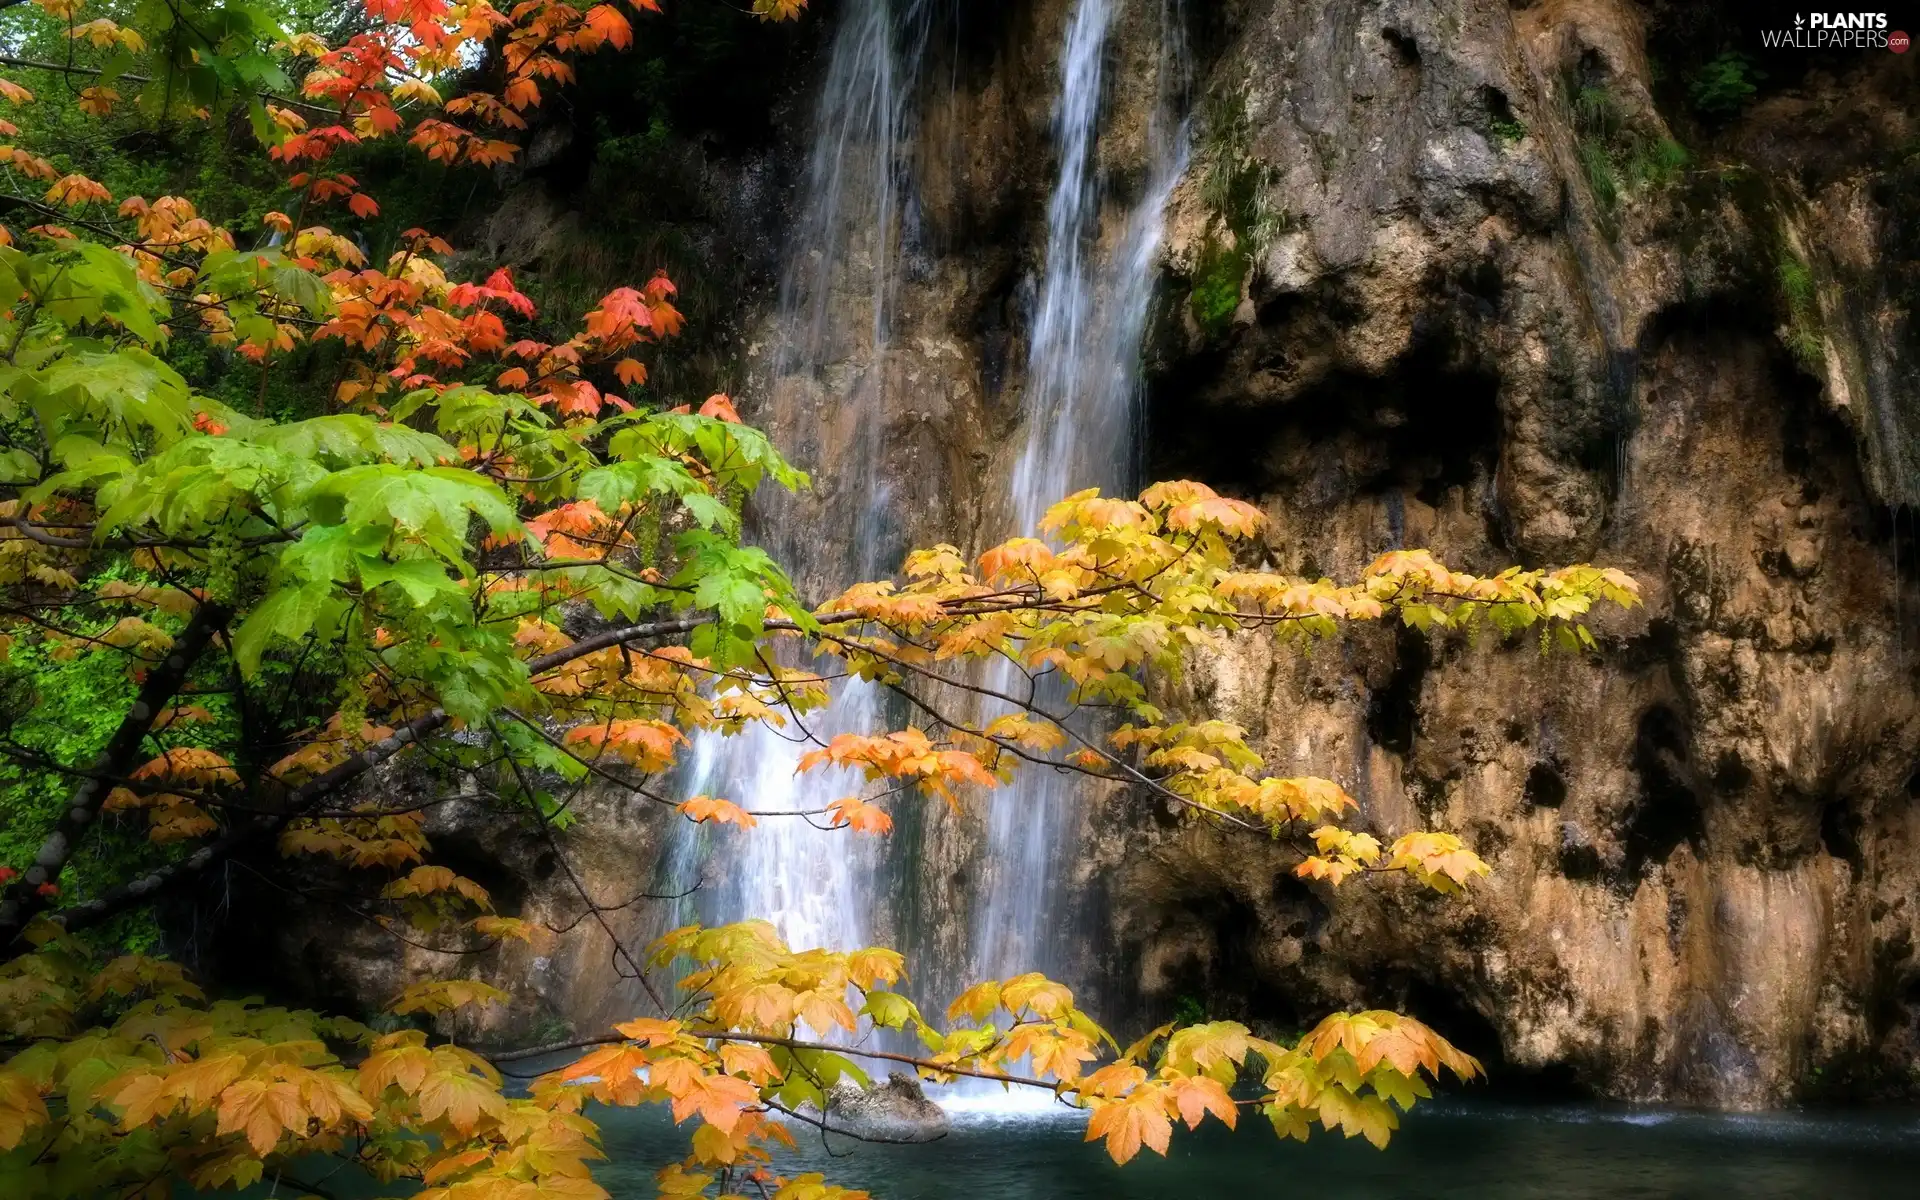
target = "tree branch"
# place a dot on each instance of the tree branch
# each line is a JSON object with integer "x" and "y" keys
{"x": 47, "y": 539}
{"x": 762, "y": 1039}
{"x": 307, "y": 795}
{"x": 24, "y": 898}
{"x": 34, "y": 64}
{"x": 138, "y": 891}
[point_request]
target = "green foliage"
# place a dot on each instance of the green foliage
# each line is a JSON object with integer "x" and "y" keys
{"x": 62, "y": 712}
{"x": 60, "y": 700}
{"x": 1618, "y": 157}
{"x": 1239, "y": 188}
{"x": 1604, "y": 185}
{"x": 1657, "y": 162}
{"x": 1507, "y": 130}
{"x": 1597, "y": 113}
{"x": 1799, "y": 296}
{"x": 145, "y": 146}
{"x": 1724, "y": 85}
{"x": 1217, "y": 283}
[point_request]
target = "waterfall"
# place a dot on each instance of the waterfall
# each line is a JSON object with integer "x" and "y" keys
{"x": 818, "y": 885}
{"x": 1081, "y": 413}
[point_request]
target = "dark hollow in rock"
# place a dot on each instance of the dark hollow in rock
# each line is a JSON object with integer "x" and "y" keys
{"x": 1545, "y": 788}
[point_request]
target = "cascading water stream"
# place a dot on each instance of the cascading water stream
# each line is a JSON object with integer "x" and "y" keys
{"x": 816, "y": 885}
{"x": 820, "y": 887}
{"x": 1081, "y": 411}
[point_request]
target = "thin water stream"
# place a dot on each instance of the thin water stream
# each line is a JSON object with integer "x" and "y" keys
{"x": 836, "y": 312}
{"x": 1081, "y": 416}
{"x": 1080, "y": 410}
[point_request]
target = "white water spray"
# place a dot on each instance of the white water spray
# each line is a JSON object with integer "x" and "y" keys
{"x": 1081, "y": 413}
{"x": 815, "y": 884}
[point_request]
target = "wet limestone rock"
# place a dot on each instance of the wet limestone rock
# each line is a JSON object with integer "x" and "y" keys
{"x": 897, "y": 1110}
{"x": 1451, "y": 333}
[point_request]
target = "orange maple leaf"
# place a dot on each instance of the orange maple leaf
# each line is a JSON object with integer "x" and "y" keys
{"x": 1140, "y": 1118}
{"x": 606, "y": 21}
{"x": 859, "y": 816}
{"x": 720, "y": 812}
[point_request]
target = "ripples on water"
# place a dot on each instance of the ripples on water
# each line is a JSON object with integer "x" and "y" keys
{"x": 1443, "y": 1152}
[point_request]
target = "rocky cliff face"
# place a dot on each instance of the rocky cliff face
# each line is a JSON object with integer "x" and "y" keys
{"x": 1483, "y": 317}
{"x": 1442, "y": 275}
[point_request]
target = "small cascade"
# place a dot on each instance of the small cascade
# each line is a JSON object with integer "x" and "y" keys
{"x": 815, "y": 885}
{"x": 1081, "y": 410}
{"x": 1081, "y": 414}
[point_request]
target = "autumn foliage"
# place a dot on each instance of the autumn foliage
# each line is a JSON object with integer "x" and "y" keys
{"x": 475, "y": 548}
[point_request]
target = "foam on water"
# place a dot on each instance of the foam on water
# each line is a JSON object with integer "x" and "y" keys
{"x": 985, "y": 1103}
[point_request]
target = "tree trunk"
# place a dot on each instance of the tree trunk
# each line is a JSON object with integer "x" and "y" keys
{"x": 122, "y": 754}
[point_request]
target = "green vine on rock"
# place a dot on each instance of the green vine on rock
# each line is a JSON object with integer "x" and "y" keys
{"x": 1217, "y": 282}
{"x": 1619, "y": 158}
{"x": 1241, "y": 192}
{"x": 1799, "y": 296}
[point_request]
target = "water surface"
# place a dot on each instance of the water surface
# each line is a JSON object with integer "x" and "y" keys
{"x": 1443, "y": 1152}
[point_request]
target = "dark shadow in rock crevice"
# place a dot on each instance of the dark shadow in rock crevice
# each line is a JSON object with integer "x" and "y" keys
{"x": 1840, "y": 827}
{"x": 1667, "y": 811}
{"x": 1546, "y": 787}
{"x": 1453, "y": 1015}
{"x": 1430, "y": 425}
{"x": 1393, "y": 710}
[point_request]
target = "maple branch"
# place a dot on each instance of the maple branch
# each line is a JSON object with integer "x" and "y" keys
{"x": 765, "y": 1039}
{"x": 1127, "y": 772}
{"x": 328, "y": 895}
{"x": 139, "y": 891}
{"x": 139, "y": 787}
{"x": 8, "y": 60}
{"x": 619, "y": 947}
{"x": 25, "y": 896}
{"x": 592, "y": 765}
{"x": 32, "y": 530}
{"x": 101, "y": 644}
{"x": 594, "y": 906}
{"x": 63, "y": 217}
{"x": 820, "y": 1123}
{"x": 36, "y": 531}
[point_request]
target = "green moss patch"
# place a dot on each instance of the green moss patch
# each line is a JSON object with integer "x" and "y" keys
{"x": 1217, "y": 283}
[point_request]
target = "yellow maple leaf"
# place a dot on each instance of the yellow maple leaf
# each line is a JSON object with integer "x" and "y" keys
{"x": 1129, "y": 1123}
{"x": 460, "y": 1099}
{"x": 21, "y": 1108}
